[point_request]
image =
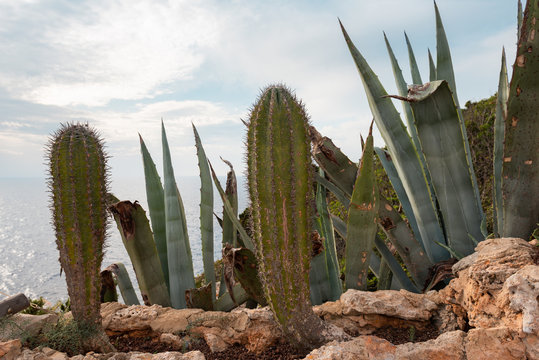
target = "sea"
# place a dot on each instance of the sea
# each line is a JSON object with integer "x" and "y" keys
{"x": 28, "y": 254}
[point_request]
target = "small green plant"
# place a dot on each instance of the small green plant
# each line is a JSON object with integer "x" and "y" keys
{"x": 66, "y": 336}
{"x": 411, "y": 333}
{"x": 36, "y": 307}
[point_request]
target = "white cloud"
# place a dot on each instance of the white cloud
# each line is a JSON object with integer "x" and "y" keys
{"x": 115, "y": 50}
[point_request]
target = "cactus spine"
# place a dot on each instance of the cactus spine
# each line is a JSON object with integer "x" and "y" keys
{"x": 78, "y": 186}
{"x": 280, "y": 186}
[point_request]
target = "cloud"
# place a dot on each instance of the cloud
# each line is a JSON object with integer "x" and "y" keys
{"x": 110, "y": 50}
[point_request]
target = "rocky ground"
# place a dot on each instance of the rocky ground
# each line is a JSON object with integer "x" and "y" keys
{"x": 489, "y": 311}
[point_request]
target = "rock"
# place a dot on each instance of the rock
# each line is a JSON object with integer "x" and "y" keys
{"x": 25, "y": 325}
{"x": 49, "y": 354}
{"x": 172, "y": 340}
{"x": 494, "y": 343}
{"x": 10, "y": 350}
{"x": 522, "y": 291}
{"x": 448, "y": 346}
{"x": 476, "y": 292}
{"x": 135, "y": 317}
{"x": 107, "y": 310}
{"x": 401, "y": 304}
{"x": 173, "y": 321}
{"x": 360, "y": 348}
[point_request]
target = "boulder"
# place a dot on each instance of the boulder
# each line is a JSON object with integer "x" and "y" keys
{"x": 25, "y": 325}
{"x": 10, "y": 350}
{"x": 477, "y": 292}
{"x": 495, "y": 343}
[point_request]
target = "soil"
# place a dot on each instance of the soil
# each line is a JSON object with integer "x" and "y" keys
{"x": 150, "y": 344}
{"x": 280, "y": 351}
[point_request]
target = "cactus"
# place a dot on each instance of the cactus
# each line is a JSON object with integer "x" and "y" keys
{"x": 520, "y": 172}
{"x": 280, "y": 185}
{"x": 78, "y": 186}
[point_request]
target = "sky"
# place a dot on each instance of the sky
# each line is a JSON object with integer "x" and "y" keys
{"x": 123, "y": 65}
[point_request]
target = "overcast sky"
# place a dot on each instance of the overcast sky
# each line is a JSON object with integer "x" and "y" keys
{"x": 122, "y": 65}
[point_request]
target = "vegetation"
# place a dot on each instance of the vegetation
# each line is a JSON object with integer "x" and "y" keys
{"x": 78, "y": 185}
{"x": 280, "y": 187}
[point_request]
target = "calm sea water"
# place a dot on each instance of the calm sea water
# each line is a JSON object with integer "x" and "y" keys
{"x": 28, "y": 254}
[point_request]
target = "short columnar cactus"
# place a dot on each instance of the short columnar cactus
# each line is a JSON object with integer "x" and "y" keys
{"x": 280, "y": 185}
{"x": 78, "y": 186}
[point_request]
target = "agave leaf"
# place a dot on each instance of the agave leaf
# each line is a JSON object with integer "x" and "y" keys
{"x": 391, "y": 172}
{"x": 245, "y": 269}
{"x": 230, "y": 235}
{"x": 403, "y": 91}
{"x": 444, "y": 71}
{"x": 339, "y": 194}
{"x": 225, "y": 302}
{"x": 328, "y": 156}
{"x": 124, "y": 284}
{"x": 375, "y": 262}
{"x": 200, "y": 298}
{"x": 404, "y": 154}
{"x": 402, "y": 88}
{"x": 432, "y": 68}
{"x": 324, "y": 274}
{"x": 361, "y": 225}
{"x": 499, "y": 124}
{"x": 138, "y": 240}
{"x": 416, "y": 76}
{"x": 180, "y": 265}
{"x": 384, "y": 276}
{"x": 439, "y": 128}
{"x": 246, "y": 240}
{"x": 395, "y": 267}
{"x": 156, "y": 206}
{"x": 206, "y": 213}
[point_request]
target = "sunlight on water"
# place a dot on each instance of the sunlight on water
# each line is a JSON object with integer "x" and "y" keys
{"x": 28, "y": 254}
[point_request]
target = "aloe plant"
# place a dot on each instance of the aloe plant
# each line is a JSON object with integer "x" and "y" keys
{"x": 280, "y": 186}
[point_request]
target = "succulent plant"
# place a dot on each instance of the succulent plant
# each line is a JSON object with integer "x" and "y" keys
{"x": 280, "y": 182}
{"x": 78, "y": 186}
{"x": 520, "y": 171}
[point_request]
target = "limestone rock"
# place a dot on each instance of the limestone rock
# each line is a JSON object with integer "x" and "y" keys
{"x": 476, "y": 292}
{"x": 494, "y": 343}
{"x": 172, "y": 340}
{"x": 173, "y": 321}
{"x": 360, "y": 348}
{"x": 10, "y": 350}
{"x": 522, "y": 291}
{"x": 448, "y": 346}
{"x": 135, "y": 317}
{"x": 401, "y": 304}
{"x": 25, "y": 324}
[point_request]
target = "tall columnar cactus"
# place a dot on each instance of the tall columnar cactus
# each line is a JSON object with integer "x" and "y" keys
{"x": 280, "y": 185}
{"x": 520, "y": 189}
{"x": 78, "y": 186}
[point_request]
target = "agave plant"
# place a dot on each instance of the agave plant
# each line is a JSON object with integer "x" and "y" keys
{"x": 162, "y": 257}
{"x": 431, "y": 174}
